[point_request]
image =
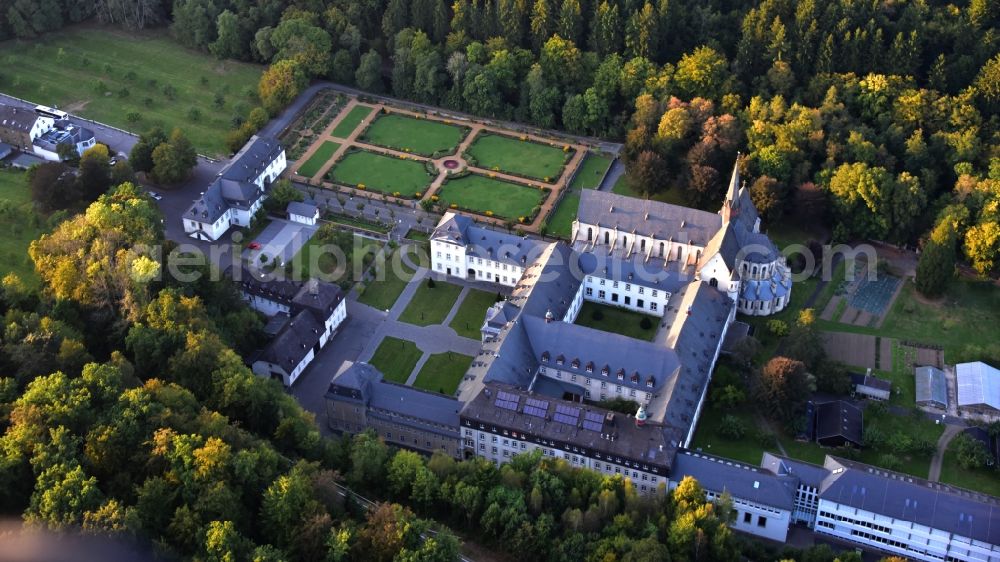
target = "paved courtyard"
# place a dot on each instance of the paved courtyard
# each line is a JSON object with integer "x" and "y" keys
{"x": 280, "y": 240}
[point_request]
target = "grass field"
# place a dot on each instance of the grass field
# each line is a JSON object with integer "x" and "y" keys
{"x": 106, "y": 74}
{"x": 316, "y": 161}
{"x": 522, "y": 158}
{"x": 383, "y": 292}
{"x": 624, "y": 187}
{"x": 419, "y": 136}
{"x": 561, "y": 220}
{"x": 442, "y": 372}
{"x": 480, "y": 194}
{"x": 430, "y": 305}
{"x": 19, "y": 224}
{"x": 591, "y": 171}
{"x": 396, "y": 358}
{"x": 471, "y": 313}
{"x": 616, "y": 320}
{"x": 355, "y": 116}
{"x": 384, "y": 174}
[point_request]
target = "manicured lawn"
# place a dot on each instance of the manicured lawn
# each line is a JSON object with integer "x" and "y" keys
{"x": 106, "y": 74}
{"x": 430, "y": 305}
{"x": 471, "y": 313}
{"x": 518, "y": 157}
{"x": 316, "y": 161}
{"x": 709, "y": 440}
{"x": 561, "y": 221}
{"x": 591, "y": 171}
{"x": 19, "y": 224}
{"x": 442, "y": 372}
{"x": 985, "y": 480}
{"x": 617, "y": 320}
{"x": 384, "y": 174}
{"x": 388, "y": 284}
{"x": 318, "y": 259}
{"x": 419, "y": 136}
{"x": 417, "y": 235}
{"x": 351, "y": 121}
{"x": 480, "y": 194}
{"x": 396, "y": 358}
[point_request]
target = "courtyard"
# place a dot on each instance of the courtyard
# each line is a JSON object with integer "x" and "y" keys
{"x": 617, "y": 320}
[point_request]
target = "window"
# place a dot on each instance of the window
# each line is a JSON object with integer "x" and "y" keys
{"x": 655, "y": 293}
{"x": 590, "y": 292}
{"x": 652, "y": 306}
{"x": 642, "y": 290}
{"x": 616, "y": 285}
{"x": 640, "y": 303}
{"x": 607, "y": 237}
{"x": 631, "y": 392}
{"x": 628, "y": 300}
{"x": 628, "y": 286}
{"x": 761, "y": 521}
{"x": 747, "y": 517}
{"x": 602, "y": 282}
{"x": 439, "y": 254}
{"x": 482, "y": 446}
{"x": 601, "y": 295}
{"x": 614, "y": 297}
{"x": 590, "y": 234}
{"x": 494, "y": 450}
{"x": 494, "y": 438}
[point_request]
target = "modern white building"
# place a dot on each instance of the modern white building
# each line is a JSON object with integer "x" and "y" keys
{"x": 303, "y": 318}
{"x": 238, "y": 192}
{"x": 40, "y": 131}
{"x": 303, "y": 212}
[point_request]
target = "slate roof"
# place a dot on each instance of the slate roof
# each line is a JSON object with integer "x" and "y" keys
{"x": 871, "y": 381}
{"x": 234, "y": 187}
{"x": 978, "y": 384}
{"x": 950, "y": 509}
{"x": 932, "y": 386}
{"x": 294, "y": 342}
{"x": 318, "y": 296}
{"x": 366, "y": 384}
{"x": 17, "y": 118}
{"x": 654, "y": 273}
{"x": 737, "y": 242}
{"x": 262, "y": 285}
{"x": 741, "y": 480}
{"x": 451, "y": 228}
{"x": 811, "y": 475}
{"x": 63, "y": 133}
{"x": 654, "y": 219}
{"x": 549, "y": 283}
{"x": 651, "y": 444}
{"x": 5, "y": 150}
{"x": 302, "y": 209}
{"x": 839, "y": 418}
{"x": 500, "y": 313}
{"x": 574, "y": 348}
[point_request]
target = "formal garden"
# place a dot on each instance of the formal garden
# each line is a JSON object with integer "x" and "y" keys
{"x": 349, "y": 122}
{"x": 390, "y": 175}
{"x": 411, "y": 134}
{"x": 319, "y": 157}
{"x": 133, "y": 81}
{"x": 491, "y": 197}
{"x": 518, "y": 156}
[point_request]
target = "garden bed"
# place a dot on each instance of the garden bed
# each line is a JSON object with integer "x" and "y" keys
{"x": 519, "y": 156}
{"x": 492, "y": 197}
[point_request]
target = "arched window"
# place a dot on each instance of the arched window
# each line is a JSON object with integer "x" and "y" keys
{"x": 754, "y": 270}
{"x": 607, "y": 237}
{"x": 590, "y": 234}
{"x": 662, "y": 255}
{"x": 624, "y": 241}
{"x": 713, "y": 282}
{"x": 642, "y": 245}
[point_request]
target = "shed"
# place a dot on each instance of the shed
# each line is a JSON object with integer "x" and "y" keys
{"x": 303, "y": 212}
{"x": 839, "y": 423}
{"x": 870, "y": 386}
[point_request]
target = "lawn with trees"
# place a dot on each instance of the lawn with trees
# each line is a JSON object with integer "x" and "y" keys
{"x": 348, "y": 123}
{"x": 133, "y": 81}
{"x": 377, "y": 172}
{"x": 442, "y": 372}
{"x": 410, "y": 134}
{"x": 20, "y": 224}
{"x": 315, "y": 162}
{"x": 395, "y": 358}
{"x": 383, "y": 291}
{"x": 523, "y": 158}
{"x": 484, "y": 195}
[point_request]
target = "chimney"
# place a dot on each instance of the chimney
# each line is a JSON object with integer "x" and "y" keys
{"x": 549, "y": 317}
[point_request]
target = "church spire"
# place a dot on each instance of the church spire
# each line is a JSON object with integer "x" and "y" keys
{"x": 731, "y": 206}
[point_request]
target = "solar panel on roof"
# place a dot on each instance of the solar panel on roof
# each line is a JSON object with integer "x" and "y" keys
{"x": 568, "y": 410}
{"x": 534, "y": 411}
{"x": 563, "y": 418}
{"x": 592, "y": 426}
{"x": 593, "y": 416}
{"x": 536, "y": 403}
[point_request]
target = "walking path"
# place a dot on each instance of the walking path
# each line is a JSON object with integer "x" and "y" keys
{"x": 351, "y": 141}
{"x": 950, "y": 432}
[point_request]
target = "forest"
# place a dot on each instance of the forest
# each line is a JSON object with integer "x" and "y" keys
{"x": 877, "y": 119}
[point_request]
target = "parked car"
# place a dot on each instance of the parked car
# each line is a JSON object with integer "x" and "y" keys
{"x": 254, "y": 245}
{"x": 155, "y": 195}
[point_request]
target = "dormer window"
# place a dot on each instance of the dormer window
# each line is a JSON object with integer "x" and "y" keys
{"x": 590, "y": 367}
{"x": 545, "y": 356}
{"x": 634, "y": 378}
{"x": 606, "y": 370}
{"x": 621, "y": 374}
{"x": 575, "y": 364}
{"x": 560, "y": 360}
{"x": 650, "y": 381}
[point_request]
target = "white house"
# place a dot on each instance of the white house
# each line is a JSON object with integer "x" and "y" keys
{"x": 304, "y": 318}
{"x": 238, "y": 192}
{"x": 303, "y": 212}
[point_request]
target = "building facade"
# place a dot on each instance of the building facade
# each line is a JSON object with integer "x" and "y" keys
{"x": 238, "y": 192}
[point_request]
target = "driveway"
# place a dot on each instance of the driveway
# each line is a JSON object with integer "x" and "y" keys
{"x": 280, "y": 240}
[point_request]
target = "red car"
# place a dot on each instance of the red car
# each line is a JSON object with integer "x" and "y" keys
{"x": 254, "y": 245}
